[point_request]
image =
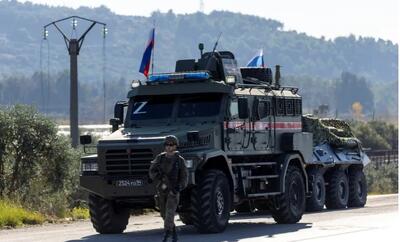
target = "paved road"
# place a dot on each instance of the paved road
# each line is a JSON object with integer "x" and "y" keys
{"x": 378, "y": 220}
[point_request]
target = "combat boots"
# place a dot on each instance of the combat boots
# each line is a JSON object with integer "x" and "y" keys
{"x": 167, "y": 233}
{"x": 174, "y": 235}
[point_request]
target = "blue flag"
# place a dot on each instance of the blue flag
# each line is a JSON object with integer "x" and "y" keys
{"x": 145, "y": 65}
{"x": 257, "y": 61}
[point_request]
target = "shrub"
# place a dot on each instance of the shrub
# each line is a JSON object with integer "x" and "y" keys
{"x": 80, "y": 213}
{"x": 376, "y": 134}
{"x": 12, "y": 215}
{"x": 382, "y": 178}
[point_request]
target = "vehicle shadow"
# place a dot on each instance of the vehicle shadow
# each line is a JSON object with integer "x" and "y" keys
{"x": 267, "y": 214}
{"x": 234, "y": 232}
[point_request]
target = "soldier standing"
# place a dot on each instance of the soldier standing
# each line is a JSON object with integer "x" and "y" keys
{"x": 170, "y": 175}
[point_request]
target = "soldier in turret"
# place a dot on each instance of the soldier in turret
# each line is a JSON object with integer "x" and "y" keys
{"x": 170, "y": 175}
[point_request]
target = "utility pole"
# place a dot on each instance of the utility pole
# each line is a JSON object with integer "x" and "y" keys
{"x": 73, "y": 50}
{"x": 73, "y": 46}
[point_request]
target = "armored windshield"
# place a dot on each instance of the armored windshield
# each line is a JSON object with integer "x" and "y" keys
{"x": 152, "y": 107}
{"x": 199, "y": 105}
{"x": 187, "y": 106}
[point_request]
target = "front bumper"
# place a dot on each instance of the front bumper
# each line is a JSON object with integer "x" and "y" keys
{"x": 106, "y": 188}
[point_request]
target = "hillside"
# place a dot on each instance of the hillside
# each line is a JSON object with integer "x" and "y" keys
{"x": 177, "y": 36}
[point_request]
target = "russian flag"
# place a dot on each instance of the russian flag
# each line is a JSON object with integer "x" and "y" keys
{"x": 145, "y": 65}
{"x": 257, "y": 61}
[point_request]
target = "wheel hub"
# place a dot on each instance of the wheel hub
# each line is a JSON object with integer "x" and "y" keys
{"x": 294, "y": 196}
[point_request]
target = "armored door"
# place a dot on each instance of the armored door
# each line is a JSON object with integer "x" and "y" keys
{"x": 263, "y": 125}
{"x": 236, "y": 130}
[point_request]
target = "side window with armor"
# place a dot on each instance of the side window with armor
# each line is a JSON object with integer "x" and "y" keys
{"x": 297, "y": 107}
{"x": 280, "y": 106}
{"x": 234, "y": 109}
{"x": 289, "y": 107}
{"x": 264, "y": 108}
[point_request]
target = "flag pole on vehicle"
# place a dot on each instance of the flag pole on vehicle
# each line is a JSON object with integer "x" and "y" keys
{"x": 148, "y": 55}
{"x": 152, "y": 53}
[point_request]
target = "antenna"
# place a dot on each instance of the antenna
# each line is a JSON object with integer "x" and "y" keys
{"x": 216, "y": 43}
{"x": 74, "y": 45}
{"x": 277, "y": 75}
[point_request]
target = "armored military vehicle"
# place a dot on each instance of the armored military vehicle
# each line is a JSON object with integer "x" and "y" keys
{"x": 246, "y": 143}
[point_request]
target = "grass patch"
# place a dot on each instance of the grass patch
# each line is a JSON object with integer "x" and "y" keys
{"x": 12, "y": 215}
{"x": 80, "y": 213}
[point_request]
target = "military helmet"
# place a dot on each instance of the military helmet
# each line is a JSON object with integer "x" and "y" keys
{"x": 171, "y": 139}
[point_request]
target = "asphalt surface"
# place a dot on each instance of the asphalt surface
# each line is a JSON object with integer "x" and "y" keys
{"x": 377, "y": 221}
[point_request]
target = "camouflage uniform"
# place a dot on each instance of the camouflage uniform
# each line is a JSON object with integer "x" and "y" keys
{"x": 170, "y": 176}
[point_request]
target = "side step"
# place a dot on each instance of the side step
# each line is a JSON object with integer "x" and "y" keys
{"x": 267, "y": 176}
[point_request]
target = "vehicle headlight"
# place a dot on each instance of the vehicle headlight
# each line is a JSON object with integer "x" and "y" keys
{"x": 230, "y": 79}
{"x": 90, "y": 166}
{"x": 189, "y": 163}
{"x": 135, "y": 83}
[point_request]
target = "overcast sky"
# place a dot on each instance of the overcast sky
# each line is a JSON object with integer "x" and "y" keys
{"x": 329, "y": 18}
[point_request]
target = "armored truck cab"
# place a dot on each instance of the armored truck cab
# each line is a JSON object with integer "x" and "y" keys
{"x": 244, "y": 142}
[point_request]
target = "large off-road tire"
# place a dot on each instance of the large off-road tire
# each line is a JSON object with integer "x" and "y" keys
{"x": 186, "y": 218}
{"x": 357, "y": 189}
{"x": 244, "y": 207}
{"x": 337, "y": 192}
{"x": 317, "y": 200}
{"x": 289, "y": 207}
{"x": 211, "y": 202}
{"x": 106, "y": 216}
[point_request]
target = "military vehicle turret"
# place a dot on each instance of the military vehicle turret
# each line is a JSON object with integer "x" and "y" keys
{"x": 246, "y": 143}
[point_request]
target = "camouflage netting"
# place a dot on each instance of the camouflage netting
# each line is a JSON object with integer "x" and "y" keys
{"x": 332, "y": 131}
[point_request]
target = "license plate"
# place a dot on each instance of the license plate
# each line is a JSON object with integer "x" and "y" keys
{"x": 129, "y": 183}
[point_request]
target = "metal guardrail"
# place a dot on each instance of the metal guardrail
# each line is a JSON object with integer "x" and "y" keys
{"x": 383, "y": 156}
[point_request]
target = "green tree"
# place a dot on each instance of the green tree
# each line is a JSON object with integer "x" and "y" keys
{"x": 376, "y": 134}
{"x": 351, "y": 89}
{"x": 38, "y": 167}
{"x": 5, "y": 141}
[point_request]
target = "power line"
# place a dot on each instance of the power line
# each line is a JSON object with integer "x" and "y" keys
{"x": 44, "y": 81}
{"x": 41, "y": 73}
{"x": 48, "y": 78}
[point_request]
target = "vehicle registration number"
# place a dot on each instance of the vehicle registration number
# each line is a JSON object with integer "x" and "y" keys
{"x": 130, "y": 183}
